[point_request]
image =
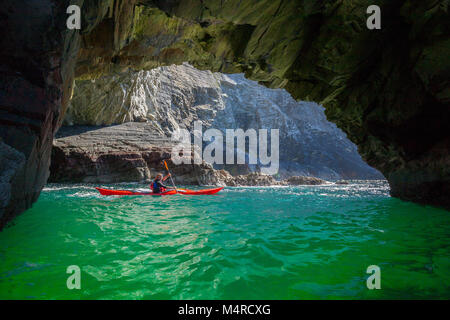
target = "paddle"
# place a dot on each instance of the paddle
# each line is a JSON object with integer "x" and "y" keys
{"x": 167, "y": 167}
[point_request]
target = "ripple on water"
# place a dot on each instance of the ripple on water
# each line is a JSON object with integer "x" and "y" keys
{"x": 245, "y": 242}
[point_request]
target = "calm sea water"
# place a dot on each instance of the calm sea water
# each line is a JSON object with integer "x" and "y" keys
{"x": 308, "y": 242}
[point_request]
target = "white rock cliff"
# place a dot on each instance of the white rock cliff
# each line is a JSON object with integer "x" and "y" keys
{"x": 173, "y": 97}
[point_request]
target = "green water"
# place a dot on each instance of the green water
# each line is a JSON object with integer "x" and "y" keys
{"x": 309, "y": 242}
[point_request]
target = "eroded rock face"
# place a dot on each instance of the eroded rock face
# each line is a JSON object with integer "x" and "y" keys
{"x": 127, "y": 152}
{"x": 133, "y": 152}
{"x": 387, "y": 89}
{"x": 169, "y": 97}
{"x": 174, "y": 97}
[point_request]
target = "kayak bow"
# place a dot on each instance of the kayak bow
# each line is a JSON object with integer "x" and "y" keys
{"x": 199, "y": 192}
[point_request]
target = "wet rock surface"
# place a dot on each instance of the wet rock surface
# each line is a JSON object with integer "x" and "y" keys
{"x": 253, "y": 179}
{"x": 299, "y": 180}
{"x": 12, "y": 163}
{"x": 259, "y": 179}
{"x": 342, "y": 182}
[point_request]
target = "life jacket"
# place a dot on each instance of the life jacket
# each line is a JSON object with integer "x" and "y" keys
{"x": 155, "y": 188}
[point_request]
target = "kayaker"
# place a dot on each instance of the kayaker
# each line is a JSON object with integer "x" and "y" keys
{"x": 157, "y": 185}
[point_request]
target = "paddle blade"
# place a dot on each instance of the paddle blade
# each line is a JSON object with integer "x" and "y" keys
{"x": 165, "y": 164}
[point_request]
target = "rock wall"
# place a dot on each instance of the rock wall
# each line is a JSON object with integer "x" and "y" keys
{"x": 174, "y": 97}
{"x": 170, "y": 98}
{"x": 387, "y": 89}
{"x": 126, "y": 152}
{"x": 37, "y": 60}
{"x": 133, "y": 152}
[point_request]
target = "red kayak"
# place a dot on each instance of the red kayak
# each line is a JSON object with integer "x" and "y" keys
{"x": 199, "y": 192}
{"x": 109, "y": 192}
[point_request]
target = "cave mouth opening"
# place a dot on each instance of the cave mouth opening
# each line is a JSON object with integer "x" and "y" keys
{"x": 120, "y": 126}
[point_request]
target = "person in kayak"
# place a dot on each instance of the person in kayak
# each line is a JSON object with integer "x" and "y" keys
{"x": 157, "y": 185}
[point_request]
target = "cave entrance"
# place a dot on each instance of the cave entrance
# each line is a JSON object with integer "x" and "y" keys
{"x": 119, "y": 128}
